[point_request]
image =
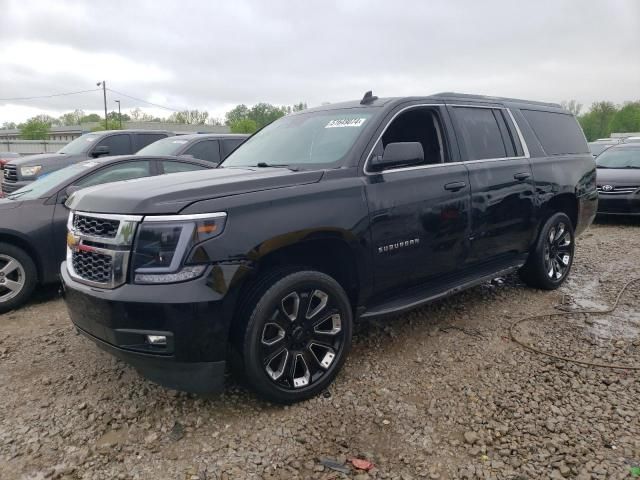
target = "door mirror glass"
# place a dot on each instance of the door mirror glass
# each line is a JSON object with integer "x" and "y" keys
{"x": 66, "y": 193}
{"x": 399, "y": 154}
{"x": 100, "y": 150}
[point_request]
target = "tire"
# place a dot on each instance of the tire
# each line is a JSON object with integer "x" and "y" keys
{"x": 550, "y": 261}
{"x": 18, "y": 277}
{"x": 297, "y": 336}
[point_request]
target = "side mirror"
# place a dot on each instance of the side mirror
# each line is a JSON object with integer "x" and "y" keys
{"x": 399, "y": 154}
{"x": 100, "y": 150}
{"x": 64, "y": 195}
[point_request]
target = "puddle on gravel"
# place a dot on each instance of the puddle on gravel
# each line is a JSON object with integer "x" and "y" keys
{"x": 623, "y": 323}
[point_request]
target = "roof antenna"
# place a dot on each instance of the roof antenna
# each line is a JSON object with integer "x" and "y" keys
{"x": 368, "y": 98}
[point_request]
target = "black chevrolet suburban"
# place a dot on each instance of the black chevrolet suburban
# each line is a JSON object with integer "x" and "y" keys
{"x": 343, "y": 212}
{"x": 23, "y": 171}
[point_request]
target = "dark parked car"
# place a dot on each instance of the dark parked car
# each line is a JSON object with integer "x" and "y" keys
{"x": 619, "y": 180}
{"x": 6, "y": 157}
{"x": 25, "y": 170}
{"x": 343, "y": 212}
{"x": 33, "y": 220}
{"x": 212, "y": 147}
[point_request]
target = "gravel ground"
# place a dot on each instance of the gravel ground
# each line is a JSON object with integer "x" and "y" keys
{"x": 440, "y": 392}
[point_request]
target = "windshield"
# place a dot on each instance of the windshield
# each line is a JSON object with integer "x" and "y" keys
{"x": 42, "y": 186}
{"x": 80, "y": 144}
{"x": 166, "y": 146}
{"x": 303, "y": 140}
{"x": 619, "y": 158}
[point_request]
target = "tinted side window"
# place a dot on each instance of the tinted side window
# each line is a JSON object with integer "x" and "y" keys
{"x": 207, "y": 150}
{"x": 118, "y": 144}
{"x": 558, "y": 133}
{"x": 144, "y": 139}
{"x": 230, "y": 144}
{"x": 116, "y": 173}
{"x": 481, "y": 133}
{"x": 175, "y": 167}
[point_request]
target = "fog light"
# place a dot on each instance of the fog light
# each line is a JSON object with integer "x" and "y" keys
{"x": 159, "y": 340}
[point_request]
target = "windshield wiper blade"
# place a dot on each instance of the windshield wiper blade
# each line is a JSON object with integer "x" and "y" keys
{"x": 13, "y": 196}
{"x": 276, "y": 165}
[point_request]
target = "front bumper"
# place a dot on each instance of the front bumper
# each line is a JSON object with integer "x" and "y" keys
{"x": 619, "y": 204}
{"x": 194, "y": 316}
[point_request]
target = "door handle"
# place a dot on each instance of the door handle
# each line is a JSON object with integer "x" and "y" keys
{"x": 522, "y": 176}
{"x": 455, "y": 186}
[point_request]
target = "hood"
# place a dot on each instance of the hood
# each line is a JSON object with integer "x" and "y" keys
{"x": 50, "y": 162}
{"x": 36, "y": 159}
{"x": 168, "y": 194}
{"x": 618, "y": 176}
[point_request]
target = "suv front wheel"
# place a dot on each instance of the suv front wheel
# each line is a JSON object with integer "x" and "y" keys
{"x": 297, "y": 336}
{"x": 550, "y": 260}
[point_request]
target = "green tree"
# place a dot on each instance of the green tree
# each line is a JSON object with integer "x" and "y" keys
{"x": 36, "y": 128}
{"x": 112, "y": 124}
{"x": 627, "y": 119}
{"x": 92, "y": 117}
{"x": 265, "y": 113}
{"x": 240, "y": 112}
{"x": 572, "y": 105}
{"x": 244, "y": 125}
{"x": 597, "y": 122}
{"x": 71, "y": 118}
{"x": 114, "y": 116}
{"x": 9, "y": 125}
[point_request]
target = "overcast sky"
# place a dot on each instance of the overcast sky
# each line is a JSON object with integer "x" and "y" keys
{"x": 214, "y": 55}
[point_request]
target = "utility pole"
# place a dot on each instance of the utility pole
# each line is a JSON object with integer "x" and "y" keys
{"x": 104, "y": 93}
{"x": 119, "y": 114}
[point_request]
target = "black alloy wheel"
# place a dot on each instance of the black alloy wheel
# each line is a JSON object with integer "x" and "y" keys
{"x": 550, "y": 259}
{"x": 297, "y": 337}
{"x": 558, "y": 251}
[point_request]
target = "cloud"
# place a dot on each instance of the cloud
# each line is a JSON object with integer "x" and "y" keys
{"x": 213, "y": 55}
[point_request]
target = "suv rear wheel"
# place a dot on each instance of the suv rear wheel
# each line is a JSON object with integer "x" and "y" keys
{"x": 297, "y": 336}
{"x": 18, "y": 277}
{"x": 550, "y": 261}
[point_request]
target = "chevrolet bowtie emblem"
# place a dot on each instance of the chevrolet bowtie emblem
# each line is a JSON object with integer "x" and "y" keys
{"x": 72, "y": 240}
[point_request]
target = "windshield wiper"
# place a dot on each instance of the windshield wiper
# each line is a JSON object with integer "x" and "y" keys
{"x": 276, "y": 165}
{"x": 13, "y": 196}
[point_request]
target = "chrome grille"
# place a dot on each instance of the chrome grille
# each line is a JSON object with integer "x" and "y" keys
{"x": 95, "y": 227}
{"x": 617, "y": 190}
{"x": 92, "y": 266}
{"x": 99, "y": 246}
{"x": 10, "y": 173}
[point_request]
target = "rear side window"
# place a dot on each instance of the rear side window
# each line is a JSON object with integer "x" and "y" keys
{"x": 483, "y": 130}
{"x": 144, "y": 139}
{"x": 118, "y": 144}
{"x": 207, "y": 150}
{"x": 117, "y": 173}
{"x": 558, "y": 133}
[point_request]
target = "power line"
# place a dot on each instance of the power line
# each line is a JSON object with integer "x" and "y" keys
{"x": 48, "y": 96}
{"x": 144, "y": 101}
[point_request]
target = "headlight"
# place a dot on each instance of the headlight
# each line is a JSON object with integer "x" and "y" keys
{"x": 30, "y": 171}
{"x": 163, "y": 241}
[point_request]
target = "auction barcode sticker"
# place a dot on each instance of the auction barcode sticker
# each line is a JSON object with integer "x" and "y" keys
{"x": 345, "y": 122}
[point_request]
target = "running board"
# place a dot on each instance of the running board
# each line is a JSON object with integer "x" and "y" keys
{"x": 420, "y": 296}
